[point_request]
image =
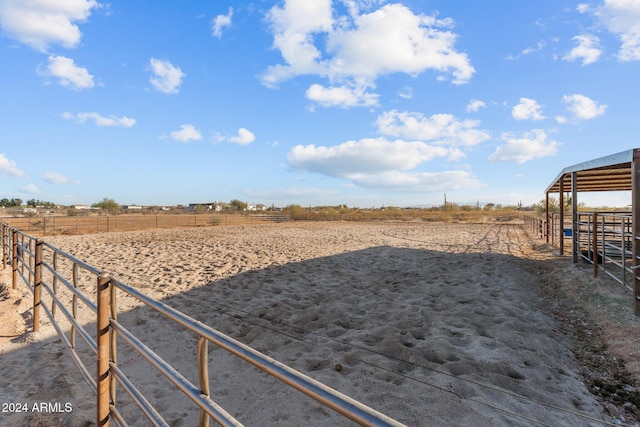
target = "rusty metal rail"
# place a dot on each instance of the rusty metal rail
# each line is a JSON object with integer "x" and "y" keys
{"x": 31, "y": 257}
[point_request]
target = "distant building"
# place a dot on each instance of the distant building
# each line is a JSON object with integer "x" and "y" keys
{"x": 255, "y": 208}
{"x": 133, "y": 208}
{"x": 215, "y": 206}
{"x": 81, "y": 207}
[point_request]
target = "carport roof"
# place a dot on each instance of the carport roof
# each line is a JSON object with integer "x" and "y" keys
{"x": 609, "y": 173}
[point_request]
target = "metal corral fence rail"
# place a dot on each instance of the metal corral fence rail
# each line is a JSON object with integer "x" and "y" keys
{"x": 549, "y": 230}
{"x": 54, "y": 225}
{"x": 62, "y": 283}
{"x": 604, "y": 239}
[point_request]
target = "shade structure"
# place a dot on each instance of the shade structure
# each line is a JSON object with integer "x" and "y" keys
{"x": 616, "y": 172}
{"x": 609, "y": 173}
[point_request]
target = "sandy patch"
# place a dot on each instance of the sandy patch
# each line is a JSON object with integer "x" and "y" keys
{"x": 429, "y": 323}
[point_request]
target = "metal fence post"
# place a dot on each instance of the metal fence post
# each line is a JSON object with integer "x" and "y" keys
{"x": 203, "y": 374}
{"x": 4, "y": 246}
{"x": 14, "y": 259}
{"x": 4, "y": 249}
{"x": 595, "y": 243}
{"x": 113, "y": 309}
{"x": 103, "y": 372}
{"x": 37, "y": 289}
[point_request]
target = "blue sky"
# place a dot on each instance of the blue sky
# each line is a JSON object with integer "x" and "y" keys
{"x": 366, "y": 103}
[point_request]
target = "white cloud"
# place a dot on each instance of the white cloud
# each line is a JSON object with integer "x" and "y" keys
{"x": 441, "y": 129}
{"x": 55, "y": 178}
{"x": 166, "y": 78}
{"x": 380, "y": 163}
{"x": 220, "y": 22}
{"x": 186, "y": 133}
{"x": 367, "y": 156}
{"x": 293, "y": 27}
{"x": 244, "y": 137}
{"x": 419, "y": 181}
{"x": 588, "y": 49}
{"x": 68, "y": 73}
{"x": 622, "y": 17}
{"x": 404, "y": 42}
{"x": 475, "y": 105}
{"x": 100, "y": 120}
{"x": 583, "y": 107}
{"x": 583, "y": 8}
{"x": 42, "y": 23}
{"x": 529, "y": 50}
{"x": 527, "y": 109}
{"x": 9, "y": 167}
{"x": 29, "y": 189}
{"x": 406, "y": 92}
{"x": 527, "y": 146}
{"x": 341, "y": 96}
{"x": 312, "y": 42}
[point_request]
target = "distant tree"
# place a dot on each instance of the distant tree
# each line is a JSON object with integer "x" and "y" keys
{"x": 554, "y": 205}
{"x": 294, "y": 210}
{"x": 107, "y": 204}
{"x": 238, "y": 205}
{"x": 35, "y": 203}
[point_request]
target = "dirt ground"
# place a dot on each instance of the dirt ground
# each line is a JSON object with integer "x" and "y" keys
{"x": 598, "y": 312}
{"x": 595, "y": 313}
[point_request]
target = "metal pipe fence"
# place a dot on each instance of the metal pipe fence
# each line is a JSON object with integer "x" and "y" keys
{"x": 603, "y": 239}
{"x": 54, "y": 225}
{"x": 65, "y": 284}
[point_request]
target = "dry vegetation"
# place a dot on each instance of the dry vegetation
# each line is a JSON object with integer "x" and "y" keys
{"x": 100, "y": 223}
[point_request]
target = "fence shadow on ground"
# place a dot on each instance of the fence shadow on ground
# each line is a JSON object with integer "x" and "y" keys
{"x": 416, "y": 334}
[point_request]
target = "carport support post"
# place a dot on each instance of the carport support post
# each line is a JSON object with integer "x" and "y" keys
{"x": 561, "y": 201}
{"x": 635, "y": 226}
{"x": 594, "y": 244}
{"x": 574, "y": 215}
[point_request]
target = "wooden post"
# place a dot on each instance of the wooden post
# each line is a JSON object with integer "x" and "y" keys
{"x": 595, "y": 243}
{"x": 103, "y": 373}
{"x": 37, "y": 286}
{"x": 14, "y": 260}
